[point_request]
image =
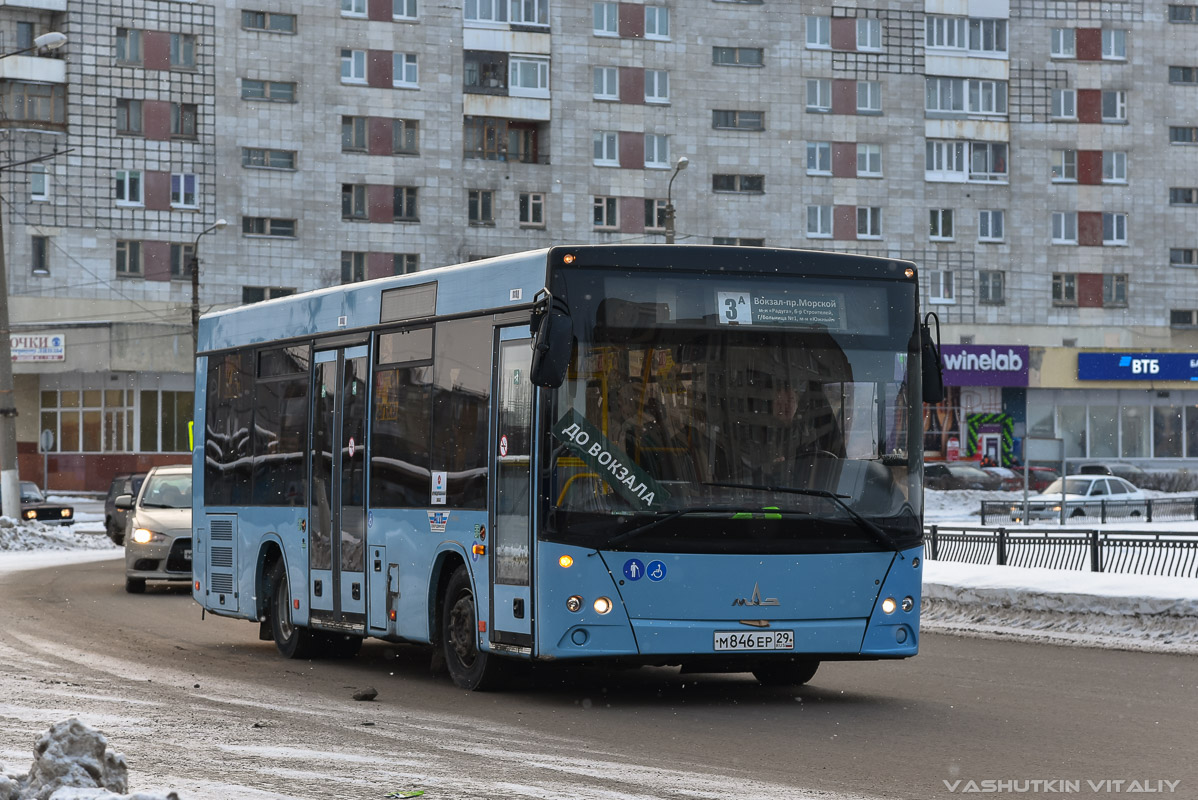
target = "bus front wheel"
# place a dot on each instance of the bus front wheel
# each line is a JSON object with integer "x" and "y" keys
{"x": 793, "y": 672}
{"x": 293, "y": 641}
{"x": 469, "y": 667}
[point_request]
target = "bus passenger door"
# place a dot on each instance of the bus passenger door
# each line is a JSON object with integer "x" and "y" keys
{"x": 511, "y": 495}
{"x": 337, "y": 515}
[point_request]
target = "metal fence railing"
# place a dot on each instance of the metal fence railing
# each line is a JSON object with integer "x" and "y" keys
{"x": 1042, "y": 509}
{"x": 1129, "y": 552}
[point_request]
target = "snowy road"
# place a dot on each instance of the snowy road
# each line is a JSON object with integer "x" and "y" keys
{"x": 206, "y": 709}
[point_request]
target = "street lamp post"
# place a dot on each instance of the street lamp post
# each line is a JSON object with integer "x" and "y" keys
{"x": 681, "y": 165}
{"x": 195, "y": 284}
{"x": 10, "y": 476}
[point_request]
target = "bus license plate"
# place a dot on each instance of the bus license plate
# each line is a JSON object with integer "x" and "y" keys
{"x": 754, "y": 640}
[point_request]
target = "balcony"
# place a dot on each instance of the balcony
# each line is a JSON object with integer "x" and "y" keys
{"x": 34, "y": 69}
{"x": 41, "y": 5}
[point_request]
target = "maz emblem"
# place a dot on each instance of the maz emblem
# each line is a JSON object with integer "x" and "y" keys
{"x": 755, "y": 600}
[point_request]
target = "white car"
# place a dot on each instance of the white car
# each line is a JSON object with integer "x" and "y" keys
{"x": 1084, "y": 496}
{"x": 158, "y": 544}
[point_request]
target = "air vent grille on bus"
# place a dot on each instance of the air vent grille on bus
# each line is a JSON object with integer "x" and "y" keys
{"x": 222, "y": 583}
{"x": 222, "y": 557}
{"x": 222, "y": 530}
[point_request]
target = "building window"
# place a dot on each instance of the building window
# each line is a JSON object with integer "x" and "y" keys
{"x": 819, "y": 222}
{"x": 655, "y": 214}
{"x": 657, "y": 22}
{"x": 256, "y": 294}
{"x": 606, "y": 148}
{"x": 532, "y": 209}
{"x": 403, "y": 9}
{"x": 1179, "y": 318}
{"x": 39, "y": 183}
{"x": 819, "y": 94}
{"x": 738, "y": 120}
{"x": 128, "y": 46}
{"x": 940, "y": 224}
{"x": 819, "y": 158}
{"x": 1064, "y": 104}
{"x": 405, "y": 137}
{"x": 405, "y": 263}
{"x": 1064, "y": 43}
{"x": 987, "y": 161}
{"x": 940, "y": 286}
{"x": 1064, "y": 227}
{"x": 1114, "y": 290}
{"x": 1114, "y": 166}
{"x": 869, "y": 222}
{"x": 606, "y": 83}
{"x": 606, "y": 18}
{"x": 183, "y": 51}
{"x": 988, "y": 35}
{"x": 268, "y": 21}
{"x": 40, "y": 254}
{"x": 990, "y": 288}
{"x": 128, "y": 259}
{"x": 743, "y": 184}
{"x": 1064, "y": 166}
{"x": 869, "y": 97}
{"x": 1183, "y": 75}
{"x": 481, "y": 206}
{"x": 965, "y": 96}
{"x": 129, "y": 117}
{"x": 1183, "y": 134}
{"x": 354, "y": 8}
{"x": 269, "y": 91}
{"x": 1114, "y": 44}
{"x": 1064, "y": 289}
{"x": 501, "y": 140}
{"x": 819, "y": 33}
{"x": 529, "y": 12}
{"x": 1183, "y": 14}
{"x": 404, "y": 73}
{"x": 353, "y": 201}
{"x": 1114, "y": 106}
{"x": 353, "y": 134}
{"x": 128, "y": 187}
{"x": 944, "y": 161}
{"x": 1114, "y": 229}
{"x": 353, "y": 266}
{"x": 738, "y": 56}
{"x": 403, "y": 202}
{"x": 605, "y": 213}
{"x": 528, "y": 77}
{"x": 945, "y": 32}
{"x": 869, "y": 34}
{"x": 183, "y": 120}
{"x": 657, "y": 86}
{"x": 990, "y": 225}
{"x": 353, "y": 66}
{"x": 657, "y": 151}
{"x": 1183, "y": 256}
{"x": 1178, "y": 196}
{"x": 101, "y": 420}
{"x": 184, "y": 190}
{"x": 869, "y": 160}
{"x": 268, "y": 226}
{"x": 182, "y": 260}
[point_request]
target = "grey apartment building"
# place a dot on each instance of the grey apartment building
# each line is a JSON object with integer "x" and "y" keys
{"x": 1037, "y": 158}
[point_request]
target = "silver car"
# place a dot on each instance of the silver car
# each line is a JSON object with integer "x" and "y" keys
{"x": 158, "y": 540}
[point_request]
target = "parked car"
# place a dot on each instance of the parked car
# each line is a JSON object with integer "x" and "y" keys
{"x": 1128, "y": 472}
{"x": 114, "y": 520}
{"x": 958, "y": 475}
{"x": 34, "y": 506}
{"x": 1084, "y": 495}
{"x": 158, "y": 544}
{"x": 1038, "y": 478}
{"x": 1007, "y": 477}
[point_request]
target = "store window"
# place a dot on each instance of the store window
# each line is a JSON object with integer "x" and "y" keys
{"x": 88, "y": 420}
{"x": 164, "y": 418}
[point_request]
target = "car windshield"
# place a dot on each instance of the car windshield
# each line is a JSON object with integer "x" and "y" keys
{"x": 1072, "y": 486}
{"x": 167, "y": 491}
{"x": 969, "y": 472}
{"x": 31, "y": 494}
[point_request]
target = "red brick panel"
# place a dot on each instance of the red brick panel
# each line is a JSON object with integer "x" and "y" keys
{"x": 379, "y": 10}
{"x": 632, "y": 215}
{"x": 157, "y": 186}
{"x": 156, "y": 260}
{"x": 632, "y": 21}
{"x": 378, "y": 136}
{"x": 844, "y": 96}
{"x": 844, "y": 33}
{"x": 1089, "y": 289}
{"x": 844, "y": 222}
{"x": 1089, "y": 105}
{"x": 378, "y": 68}
{"x": 156, "y": 50}
{"x": 1089, "y": 228}
{"x": 632, "y": 84}
{"x": 379, "y": 265}
{"x": 380, "y": 203}
{"x": 1089, "y": 44}
{"x": 1089, "y": 166}
{"x": 157, "y": 119}
{"x": 632, "y": 150}
{"x": 844, "y": 159}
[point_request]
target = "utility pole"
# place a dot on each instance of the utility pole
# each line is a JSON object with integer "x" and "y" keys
{"x": 195, "y": 284}
{"x": 681, "y": 165}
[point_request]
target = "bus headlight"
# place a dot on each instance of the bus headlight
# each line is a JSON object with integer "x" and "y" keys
{"x": 888, "y": 605}
{"x": 574, "y": 603}
{"x": 602, "y": 605}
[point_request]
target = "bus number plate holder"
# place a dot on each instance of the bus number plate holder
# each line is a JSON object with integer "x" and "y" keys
{"x": 743, "y": 641}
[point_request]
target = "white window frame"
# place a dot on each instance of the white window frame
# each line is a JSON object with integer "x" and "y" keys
{"x": 991, "y": 173}
{"x": 940, "y": 225}
{"x": 538, "y": 12}
{"x": 1063, "y": 166}
{"x": 1114, "y": 44}
{"x": 977, "y": 102}
{"x": 657, "y": 86}
{"x": 404, "y": 9}
{"x": 605, "y": 19}
{"x": 819, "y": 158}
{"x": 485, "y": 12}
{"x": 660, "y": 16}
{"x": 869, "y": 218}
{"x": 1114, "y": 166}
{"x": 1063, "y": 105}
{"x": 606, "y": 83}
{"x": 657, "y": 151}
{"x": 1119, "y": 100}
{"x": 1063, "y": 43}
{"x": 1064, "y": 227}
{"x": 946, "y": 161}
{"x": 353, "y": 8}
{"x": 39, "y": 183}
{"x": 988, "y": 220}
{"x": 871, "y": 103}
{"x": 610, "y": 213}
{"x": 819, "y": 222}
{"x": 940, "y": 287}
{"x": 946, "y": 33}
{"x": 130, "y": 182}
{"x": 353, "y": 65}
{"x": 405, "y": 71}
{"x": 869, "y": 34}
{"x": 1114, "y": 229}
{"x": 606, "y": 148}
{"x": 944, "y": 95}
{"x": 869, "y": 160}
{"x": 179, "y": 197}
{"x": 822, "y": 100}
{"x": 981, "y": 29}
{"x": 520, "y": 67}
{"x": 819, "y": 32}
{"x": 530, "y": 207}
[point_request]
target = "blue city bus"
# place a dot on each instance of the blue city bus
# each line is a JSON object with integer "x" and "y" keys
{"x": 631, "y": 454}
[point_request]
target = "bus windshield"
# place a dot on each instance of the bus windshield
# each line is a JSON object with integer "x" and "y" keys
{"x": 761, "y": 412}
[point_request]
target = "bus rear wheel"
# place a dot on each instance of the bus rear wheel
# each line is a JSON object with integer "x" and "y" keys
{"x": 792, "y": 672}
{"x": 469, "y": 667}
{"x": 293, "y": 641}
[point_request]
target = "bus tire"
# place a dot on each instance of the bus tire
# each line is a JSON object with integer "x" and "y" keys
{"x": 792, "y": 672}
{"x": 293, "y": 641}
{"x": 469, "y": 667}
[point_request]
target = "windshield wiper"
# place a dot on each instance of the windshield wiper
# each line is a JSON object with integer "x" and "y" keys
{"x": 869, "y": 527}
{"x": 666, "y": 516}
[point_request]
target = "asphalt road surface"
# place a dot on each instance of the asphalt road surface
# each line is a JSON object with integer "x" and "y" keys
{"x": 205, "y": 708}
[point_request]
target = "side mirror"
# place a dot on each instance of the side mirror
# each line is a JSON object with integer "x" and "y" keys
{"x": 123, "y": 502}
{"x": 932, "y": 369}
{"x": 553, "y": 341}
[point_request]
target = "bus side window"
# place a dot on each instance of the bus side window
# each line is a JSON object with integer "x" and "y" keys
{"x": 461, "y": 403}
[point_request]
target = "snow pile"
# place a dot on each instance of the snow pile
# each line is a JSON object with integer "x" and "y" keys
{"x": 71, "y": 761}
{"x": 24, "y": 536}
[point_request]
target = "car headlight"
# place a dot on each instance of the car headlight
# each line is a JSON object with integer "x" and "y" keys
{"x": 145, "y": 536}
{"x": 30, "y": 514}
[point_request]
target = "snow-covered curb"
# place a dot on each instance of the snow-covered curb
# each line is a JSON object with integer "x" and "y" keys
{"x": 1131, "y": 612}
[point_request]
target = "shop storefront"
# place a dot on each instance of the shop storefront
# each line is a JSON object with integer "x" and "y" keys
{"x": 983, "y": 409}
